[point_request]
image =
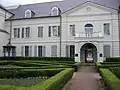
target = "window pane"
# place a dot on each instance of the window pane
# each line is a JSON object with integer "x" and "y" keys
{"x": 107, "y": 28}
{"x": 15, "y": 32}
{"x": 18, "y": 33}
{"x": 72, "y": 51}
{"x": 59, "y": 31}
{"x": 31, "y": 51}
{"x": 55, "y": 33}
{"x": 26, "y": 51}
{"x": 72, "y": 30}
{"x": 49, "y": 31}
{"x": 22, "y": 32}
{"x": 40, "y": 51}
{"x": 54, "y": 51}
{"x": 28, "y": 32}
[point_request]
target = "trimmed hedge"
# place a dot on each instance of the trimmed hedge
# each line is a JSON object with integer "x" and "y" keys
{"x": 113, "y": 59}
{"x": 10, "y": 73}
{"x": 110, "y": 80}
{"x": 106, "y": 65}
{"x": 54, "y": 83}
{"x": 39, "y": 58}
{"x": 116, "y": 71}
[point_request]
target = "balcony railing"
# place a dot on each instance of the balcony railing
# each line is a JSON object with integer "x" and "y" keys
{"x": 93, "y": 34}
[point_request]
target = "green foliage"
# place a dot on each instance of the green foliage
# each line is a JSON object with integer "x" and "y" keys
{"x": 54, "y": 83}
{"x": 113, "y": 59}
{"x": 28, "y": 73}
{"x": 116, "y": 71}
{"x": 110, "y": 80}
{"x": 39, "y": 58}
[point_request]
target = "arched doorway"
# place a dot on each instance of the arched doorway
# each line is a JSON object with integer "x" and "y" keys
{"x": 88, "y": 53}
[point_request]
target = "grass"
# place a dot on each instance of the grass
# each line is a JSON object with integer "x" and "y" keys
{"x": 21, "y": 82}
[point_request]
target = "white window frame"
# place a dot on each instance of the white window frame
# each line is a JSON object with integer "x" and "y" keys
{"x": 72, "y": 30}
{"x": 28, "y": 15}
{"x": 55, "y": 11}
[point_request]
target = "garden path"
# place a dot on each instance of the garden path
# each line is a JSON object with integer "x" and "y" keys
{"x": 87, "y": 78}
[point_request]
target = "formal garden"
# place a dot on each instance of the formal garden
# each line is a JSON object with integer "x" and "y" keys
{"x": 33, "y": 73}
{"x": 110, "y": 73}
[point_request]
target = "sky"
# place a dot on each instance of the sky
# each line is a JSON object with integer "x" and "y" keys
{"x": 17, "y": 2}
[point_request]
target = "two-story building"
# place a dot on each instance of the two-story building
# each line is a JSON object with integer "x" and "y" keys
{"x": 86, "y": 30}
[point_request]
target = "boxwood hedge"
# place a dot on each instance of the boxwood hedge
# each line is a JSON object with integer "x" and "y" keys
{"x": 54, "y": 83}
{"x": 110, "y": 80}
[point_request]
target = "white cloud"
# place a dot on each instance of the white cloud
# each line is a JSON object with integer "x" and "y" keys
{"x": 16, "y": 2}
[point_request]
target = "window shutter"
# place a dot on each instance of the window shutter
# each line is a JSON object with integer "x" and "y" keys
{"x": 22, "y": 50}
{"x": 35, "y": 51}
{"x": 31, "y": 51}
{"x": 107, "y": 50}
{"x": 43, "y": 51}
{"x": 67, "y": 51}
{"x": 49, "y": 31}
{"x": 18, "y": 33}
{"x": 54, "y": 51}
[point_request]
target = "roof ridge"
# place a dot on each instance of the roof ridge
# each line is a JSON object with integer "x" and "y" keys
{"x": 42, "y": 3}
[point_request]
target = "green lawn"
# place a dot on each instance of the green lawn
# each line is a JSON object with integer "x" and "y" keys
{"x": 21, "y": 82}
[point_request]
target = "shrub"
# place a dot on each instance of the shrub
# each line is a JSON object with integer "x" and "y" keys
{"x": 113, "y": 59}
{"x": 116, "y": 71}
{"x": 54, "y": 83}
{"x": 39, "y": 58}
{"x": 28, "y": 73}
{"x": 110, "y": 80}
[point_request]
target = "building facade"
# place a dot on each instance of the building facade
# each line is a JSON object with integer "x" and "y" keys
{"x": 85, "y": 30}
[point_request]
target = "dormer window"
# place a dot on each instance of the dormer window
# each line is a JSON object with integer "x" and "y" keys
{"x": 55, "y": 11}
{"x": 28, "y": 13}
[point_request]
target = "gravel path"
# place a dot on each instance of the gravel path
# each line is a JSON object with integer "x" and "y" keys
{"x": 87, "y": 78}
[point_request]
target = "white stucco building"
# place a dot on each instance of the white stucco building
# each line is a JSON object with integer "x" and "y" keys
{"x": 86, "y": 30}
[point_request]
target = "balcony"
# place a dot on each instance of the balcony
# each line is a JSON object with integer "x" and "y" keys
{"x": 89, "y": 35}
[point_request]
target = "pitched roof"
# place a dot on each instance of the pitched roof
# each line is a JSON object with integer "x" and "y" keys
{"x": 5, "y": 9}
{"x": 43, "y": 9}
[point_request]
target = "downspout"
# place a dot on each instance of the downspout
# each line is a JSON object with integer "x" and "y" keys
{"x": 60, "y": 32}
{"x": 119, "y": 28}
{"x": 10, "y": 31}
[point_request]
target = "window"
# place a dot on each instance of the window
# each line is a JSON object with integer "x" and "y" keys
{"x": 54, "y": 31}
{"x": 26, "y": 51}
{"x": 28, "y": 32}
{"x": 107, "y": 28}
{"x": 72, "y": 30}
{"x": 70, "y": 51}
{"x": 40, "y": 31}
{"x": 41, "y": 51}
{"x": 49, "y": 31}
{"x": 88, "y": 30}
{"x": 54, "y": 51}
{"x": 106, "y": 50}
{"x": 16, "y": 32}
{"x": 22, "y": 32}
{"x": 28, "y": 14}
{"x": 55, "y": 11}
